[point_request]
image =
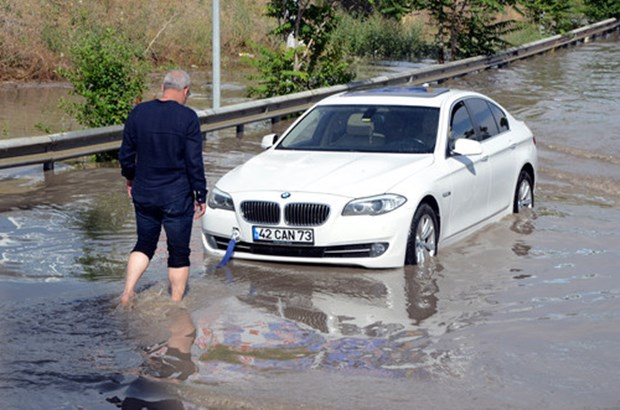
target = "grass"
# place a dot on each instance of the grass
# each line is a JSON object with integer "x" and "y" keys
{"x": 379, "y": 38}
{"x": 36, "y": 36}
{"x": 525, "y": 33}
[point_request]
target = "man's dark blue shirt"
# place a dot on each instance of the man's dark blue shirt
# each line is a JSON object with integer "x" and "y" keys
{"x": 161, "y": 153}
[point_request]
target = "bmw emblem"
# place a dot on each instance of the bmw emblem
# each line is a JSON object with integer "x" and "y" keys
{"x": 285, "y": 195}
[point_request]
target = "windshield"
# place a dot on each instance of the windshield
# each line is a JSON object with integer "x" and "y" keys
{"x": 365, "y": 128}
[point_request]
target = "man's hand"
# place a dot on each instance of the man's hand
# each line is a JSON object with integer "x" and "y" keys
{"x": 129, "y": 184}
{"x": 199, "y": 209}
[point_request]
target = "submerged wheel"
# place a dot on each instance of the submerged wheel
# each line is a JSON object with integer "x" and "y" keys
{"x": 524, "y": 193}
{"x": 423, "y": 236}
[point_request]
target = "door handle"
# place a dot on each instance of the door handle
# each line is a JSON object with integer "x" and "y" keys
{"x": 485, "y": 158}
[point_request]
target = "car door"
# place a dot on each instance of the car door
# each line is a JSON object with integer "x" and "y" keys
{"x": 494, "y": 133}
{"x": 469, "y": 176}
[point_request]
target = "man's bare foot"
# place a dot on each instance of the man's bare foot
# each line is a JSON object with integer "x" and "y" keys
{"x": 127, "y": 297}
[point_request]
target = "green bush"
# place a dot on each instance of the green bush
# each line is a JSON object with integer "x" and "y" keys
{"x": 109, "y": 73}
{"x": 313, "y": 63}
{"x": 110, "y": 76}
{"x": 376, "y": 37}
{"x": 524, "y": 33}
{"x": 276, "y": 75}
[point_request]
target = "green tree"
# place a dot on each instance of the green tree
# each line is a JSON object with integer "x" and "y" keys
{"x": 597, "y": 10}
{"x": 391, "y": 9}
{"x": 467, "y": 27}
{"x": 395, "y": 9}
{"x": 305, "y": 58}
{"x": 552, "y": 16}
{"x": 109, "y": 73}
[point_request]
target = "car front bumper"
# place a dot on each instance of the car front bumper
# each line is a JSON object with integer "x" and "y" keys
{"x": 367, "y": 241}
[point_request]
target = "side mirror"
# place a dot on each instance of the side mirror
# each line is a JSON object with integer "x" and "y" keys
{"x": 268, "y": 140}
{"x": 465, "y": 146}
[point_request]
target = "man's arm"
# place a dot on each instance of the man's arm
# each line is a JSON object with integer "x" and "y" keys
{"x": 127, "y": 152}
{"x": 195, "y": 165}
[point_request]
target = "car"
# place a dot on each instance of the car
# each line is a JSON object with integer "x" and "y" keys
{"x": 377, "y": 178}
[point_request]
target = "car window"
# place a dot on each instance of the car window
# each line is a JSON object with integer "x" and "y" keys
{"x": 304, "y": 136}
{"x": 482, "y": 113}
{"x": 366, "y": 128}
{"x": 500, "y": 117}
{"x": 461, "y": 125}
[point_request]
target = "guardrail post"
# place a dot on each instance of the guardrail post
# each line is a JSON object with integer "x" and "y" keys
{"x": 240, "y": 130}
{"x": 48, "y": 166}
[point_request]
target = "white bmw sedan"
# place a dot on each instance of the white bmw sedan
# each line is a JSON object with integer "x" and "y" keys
{"x": 378, "y": 178}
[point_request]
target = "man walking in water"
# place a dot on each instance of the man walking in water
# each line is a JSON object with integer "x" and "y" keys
{"x": 161, "y": 158}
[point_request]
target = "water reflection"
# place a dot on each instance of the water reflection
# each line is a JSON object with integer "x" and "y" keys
{"x": 172, "y": 360}
{"x": 167, "y": 361}
{"x": 314, "y": 317}
{"x": 346, "y": 302}
{"x": 50, "y": 231}
{"x": 107, "y": 221}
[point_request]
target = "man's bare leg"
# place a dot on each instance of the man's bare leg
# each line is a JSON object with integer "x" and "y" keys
{"x": 178, "y": 282}
{"x": 136, "y": 265}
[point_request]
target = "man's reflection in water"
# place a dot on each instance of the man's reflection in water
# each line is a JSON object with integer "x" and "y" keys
{"x": 172, "y": 359}
{"x": 167, "y": 361}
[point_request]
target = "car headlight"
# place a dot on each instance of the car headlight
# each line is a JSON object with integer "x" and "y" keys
{"x": 219, "y": 199}
{"x": 374, "y": 205}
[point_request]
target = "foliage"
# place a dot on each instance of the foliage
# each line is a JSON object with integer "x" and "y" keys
{"x": 36, "y": 35}
{"x": 308, "y": 60}
{"x": 597, "y": 10}
{"x": 390, "y": 9}
{"x": 552, "y": 16}
{"x": 524, "y": 32}
{"x": 377, "y": 37}
{"x": 276, "y": 74}
{"x": 110, "y": 76}
{"x": 395, "y": 9}
{"x": 467, "y": 27}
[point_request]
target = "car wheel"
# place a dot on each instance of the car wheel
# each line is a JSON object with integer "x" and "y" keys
{"x": 423, "y": 236}
{"x": 524, "y": 193}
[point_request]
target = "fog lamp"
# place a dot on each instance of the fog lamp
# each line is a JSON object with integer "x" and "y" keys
{"x": 378, "y": 249}
{"x": 211, "y": 241}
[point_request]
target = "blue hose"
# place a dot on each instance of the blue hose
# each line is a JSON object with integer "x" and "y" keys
{"x": 228, "y": 254}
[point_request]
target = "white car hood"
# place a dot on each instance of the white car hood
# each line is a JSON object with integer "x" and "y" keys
{"x": 337, "y": 173}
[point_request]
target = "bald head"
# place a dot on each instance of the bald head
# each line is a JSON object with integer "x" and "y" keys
{"x": 176, "y": 86}
{"x": 177, "y": 79}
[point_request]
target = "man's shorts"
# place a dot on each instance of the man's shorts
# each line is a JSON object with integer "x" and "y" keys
{"x": 176, "y": 218}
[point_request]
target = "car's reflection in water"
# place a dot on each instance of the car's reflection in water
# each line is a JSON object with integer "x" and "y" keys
{"x": 365, "y": 321}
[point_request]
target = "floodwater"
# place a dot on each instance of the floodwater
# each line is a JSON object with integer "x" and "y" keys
{"x": 524, "y": 314}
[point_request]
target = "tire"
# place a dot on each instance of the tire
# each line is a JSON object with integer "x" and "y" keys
{"x": 524, "y": 193}
{"x": 423, "y": 236}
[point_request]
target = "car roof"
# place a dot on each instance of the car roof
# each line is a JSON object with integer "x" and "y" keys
{"x": 406, "y": 95}
{"x": 423, "y": 92}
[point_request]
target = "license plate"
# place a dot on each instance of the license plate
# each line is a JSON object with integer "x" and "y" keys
{"x": 282, "y": 235}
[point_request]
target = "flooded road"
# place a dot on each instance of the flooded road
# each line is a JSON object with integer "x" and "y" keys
{"x": 524, "y": 314}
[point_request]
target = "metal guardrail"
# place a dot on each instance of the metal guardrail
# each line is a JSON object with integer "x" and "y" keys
{"x": 57, "y": 147}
